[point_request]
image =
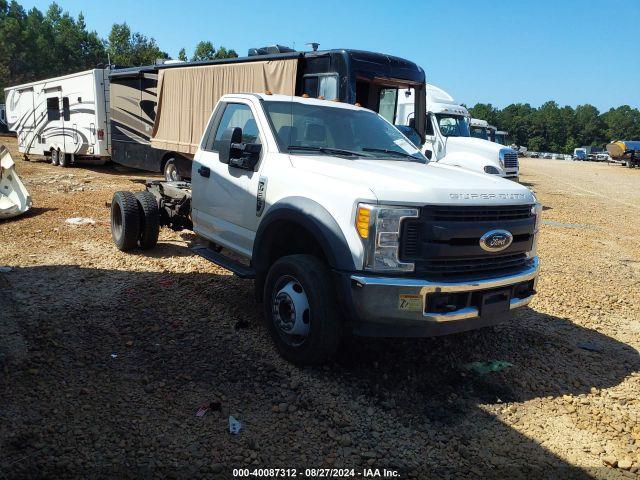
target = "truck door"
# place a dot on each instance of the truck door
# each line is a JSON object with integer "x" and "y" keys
{"x": 224, "y": 197}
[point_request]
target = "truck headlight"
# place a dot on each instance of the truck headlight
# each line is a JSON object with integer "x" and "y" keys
{"x": 379, "y": 229}
{"x": 536, "y": 211}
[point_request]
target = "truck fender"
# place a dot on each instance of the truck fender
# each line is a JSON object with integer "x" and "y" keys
{"x": 315, "y": 219}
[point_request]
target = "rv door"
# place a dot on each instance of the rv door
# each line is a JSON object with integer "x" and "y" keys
{"x": 26, "y": 119}
{"x": 55, "y": 134}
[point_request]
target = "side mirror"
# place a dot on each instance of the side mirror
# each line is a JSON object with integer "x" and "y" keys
{"x": 229, "y": 137}
{"x": 237, "y": 154}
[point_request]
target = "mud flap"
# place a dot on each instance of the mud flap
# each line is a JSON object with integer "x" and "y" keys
{"x": 14, "y": 198}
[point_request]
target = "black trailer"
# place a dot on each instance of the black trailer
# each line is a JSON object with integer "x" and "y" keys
{"x": 373, "y": 80}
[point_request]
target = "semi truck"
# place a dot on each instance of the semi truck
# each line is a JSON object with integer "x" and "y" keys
{"x": 64, "y": 118}
{"x": 151, "y": 104}
{"x": 343, "y": 224}
{"x": 450, "y": 139}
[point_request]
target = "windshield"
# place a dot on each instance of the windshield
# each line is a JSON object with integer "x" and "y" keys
{"x": 318, "y": 129}
{"x": 501, "y": 138}
{"x": 453, "y": 125}
{"x": 479, "y": 132}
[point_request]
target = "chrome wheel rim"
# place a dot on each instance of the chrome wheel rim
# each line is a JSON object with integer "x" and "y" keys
{"x": 290, "y": 311}
{"x": 171, "y": 172}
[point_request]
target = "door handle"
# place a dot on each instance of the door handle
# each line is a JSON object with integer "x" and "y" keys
{"x": 204, "y": 171}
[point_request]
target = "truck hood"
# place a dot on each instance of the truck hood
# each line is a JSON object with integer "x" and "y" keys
{"x": 401, "y": 182}
{"x": 474, "y": 145}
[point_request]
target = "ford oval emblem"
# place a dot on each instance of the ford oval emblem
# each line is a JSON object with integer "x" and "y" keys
{"x": 496, "y": 240}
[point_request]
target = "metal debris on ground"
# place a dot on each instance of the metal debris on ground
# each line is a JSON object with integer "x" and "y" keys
{"x": 80, "y": 221}
{"x": 234, "y": 425}
{"x": 483, "y": 368}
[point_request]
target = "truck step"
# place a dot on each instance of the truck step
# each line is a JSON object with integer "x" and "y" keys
{"x": 238, "y": 268}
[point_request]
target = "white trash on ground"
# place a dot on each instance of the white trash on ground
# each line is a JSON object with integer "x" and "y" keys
{"x": 14, "y": 198}
{"x": 80, "y": 221}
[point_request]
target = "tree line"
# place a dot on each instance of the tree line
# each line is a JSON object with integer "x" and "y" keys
{"x": 551, "y": 128}
{"x": 36, "y": 45}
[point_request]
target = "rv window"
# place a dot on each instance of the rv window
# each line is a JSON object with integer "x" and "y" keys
{"x": 311, "y": 86}
{"x": 387, "y": 108}
{"x": 53, "y": 108}
{"x": 237, "y": 115}
{"x": 65, "y": 109}
{"x": 325, "y": 86}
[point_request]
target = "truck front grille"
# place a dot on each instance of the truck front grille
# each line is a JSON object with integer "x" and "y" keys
{"x": 511, "y": 160}
{"x": 448, "y": 213}
{"x": 445, "y": 240}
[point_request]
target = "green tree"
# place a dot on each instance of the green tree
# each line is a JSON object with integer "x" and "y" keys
{"x": 622, "y": 123}
{"x": 127, "y": 49}
{"x": 484, "y": 111}
{"x": 222, "y": 52}
{"x": 182, "y": 55}
{"x": 203, "y": 51}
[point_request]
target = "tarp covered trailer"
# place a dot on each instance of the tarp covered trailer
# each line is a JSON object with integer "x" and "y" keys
{"x": 158, "y": 112}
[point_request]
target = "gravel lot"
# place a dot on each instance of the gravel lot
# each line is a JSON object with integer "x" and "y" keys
{"x": 106, "y": 357}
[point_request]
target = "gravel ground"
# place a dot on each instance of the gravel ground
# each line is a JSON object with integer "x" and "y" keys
{"x": 106, "y": 357}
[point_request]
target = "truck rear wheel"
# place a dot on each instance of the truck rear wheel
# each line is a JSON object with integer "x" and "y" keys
{"x": 55, "y": 157}
{"x": 301, "y": 310}
{"x": 125, "y": 220}
{"x": 149, "y": 219}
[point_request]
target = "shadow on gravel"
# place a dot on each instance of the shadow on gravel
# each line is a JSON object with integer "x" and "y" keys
{"x": 32, "y": 212}
{"x": 118, "y": 362}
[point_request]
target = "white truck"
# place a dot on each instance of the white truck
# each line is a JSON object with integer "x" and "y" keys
{"x": 344, "y": 225}
{"x": 66, "y": 118}
{"x": 450, "y": 140}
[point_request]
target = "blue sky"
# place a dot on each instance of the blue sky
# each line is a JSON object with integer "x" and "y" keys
{"x": 498, "y": 52}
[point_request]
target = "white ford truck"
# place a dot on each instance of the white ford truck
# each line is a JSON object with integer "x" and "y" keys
{"x": 344, "y": 225}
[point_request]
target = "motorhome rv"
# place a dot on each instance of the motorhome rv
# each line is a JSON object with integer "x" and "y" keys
{"x": 153, "y": 127}
{"x": 65, "y": 117}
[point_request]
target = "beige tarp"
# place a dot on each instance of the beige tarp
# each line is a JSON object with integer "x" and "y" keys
{"x": 187, "y": 96}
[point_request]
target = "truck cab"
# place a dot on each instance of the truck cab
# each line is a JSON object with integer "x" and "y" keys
{"x": 344, "y": 225}
{"x": 454, "y": 138}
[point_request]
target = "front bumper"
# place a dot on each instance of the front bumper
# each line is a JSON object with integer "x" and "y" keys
{"x": 388, "y": 306}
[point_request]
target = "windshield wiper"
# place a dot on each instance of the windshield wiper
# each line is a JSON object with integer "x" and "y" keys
{"x": 391, "y": 152}
{"x": 327, "y": 150}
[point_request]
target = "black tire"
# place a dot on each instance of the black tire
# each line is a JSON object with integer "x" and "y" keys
{"x": 125, "y": 220}
{"x": 325, "y": 322}
{"x": 64, "y": 159}
{"x": 171, "y": 173}
{"x": 149, "y": 220}
{"x": 55, "y": 158}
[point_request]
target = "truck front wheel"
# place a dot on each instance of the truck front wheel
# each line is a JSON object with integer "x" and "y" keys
{"x": 301, "y": 310}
